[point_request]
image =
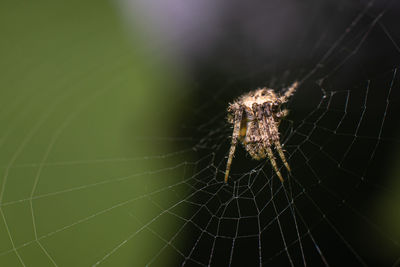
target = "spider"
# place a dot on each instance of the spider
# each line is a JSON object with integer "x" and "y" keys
{"x": 256, "y": 116}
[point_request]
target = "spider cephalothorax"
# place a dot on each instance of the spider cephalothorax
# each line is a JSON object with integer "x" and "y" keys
{"x": 255, "y": 117}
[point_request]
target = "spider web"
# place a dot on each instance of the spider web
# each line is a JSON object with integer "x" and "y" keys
{"x": 77, "y": 192}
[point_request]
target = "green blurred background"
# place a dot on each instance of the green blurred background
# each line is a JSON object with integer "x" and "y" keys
{"x": 75, "y": 89}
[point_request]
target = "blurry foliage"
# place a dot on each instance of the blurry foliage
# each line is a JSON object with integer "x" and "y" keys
{"x": 76, "y": 87}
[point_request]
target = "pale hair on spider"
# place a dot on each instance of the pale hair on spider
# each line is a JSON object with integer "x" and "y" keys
{"x": 256, "y": 116}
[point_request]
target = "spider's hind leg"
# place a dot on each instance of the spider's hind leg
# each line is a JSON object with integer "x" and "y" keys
{"x": 289, "y": 92}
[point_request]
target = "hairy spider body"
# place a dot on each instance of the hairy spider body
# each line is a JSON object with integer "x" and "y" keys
{"x": 256, "y": 117}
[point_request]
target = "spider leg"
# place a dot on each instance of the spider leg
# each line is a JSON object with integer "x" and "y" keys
{"x": 278, "y": 147}
{"x": 266, "y": 129}
{"x": 282, "y": 114}
{"x": 235, "y": 135}
{"x": 289, "y": 92}
{"x": 273, "y": 163}
{"x": 277, "y": 143}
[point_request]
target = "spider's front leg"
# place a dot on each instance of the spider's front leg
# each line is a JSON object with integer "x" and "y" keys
{"x": 279, "y": 148}
{"x": 264, "y": 128}
{"x": 273, "y": 128}
{"x": 236, "y": 130}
